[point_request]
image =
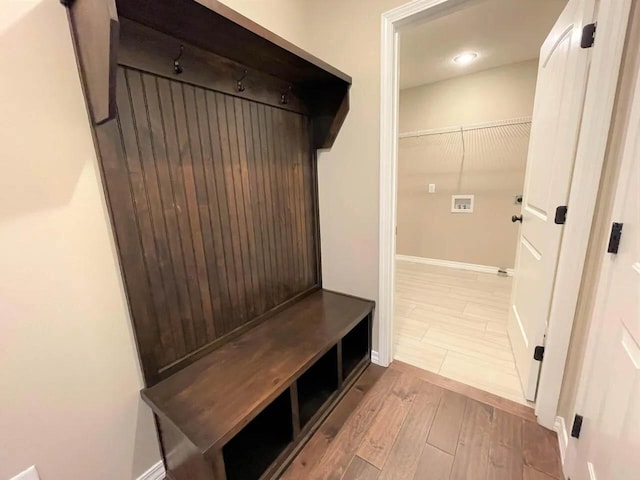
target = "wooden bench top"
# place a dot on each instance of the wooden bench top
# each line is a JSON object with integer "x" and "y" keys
{"x": 212, "y": 399}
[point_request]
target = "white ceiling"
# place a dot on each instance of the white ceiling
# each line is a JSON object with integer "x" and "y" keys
{"x": 500, "y": 31}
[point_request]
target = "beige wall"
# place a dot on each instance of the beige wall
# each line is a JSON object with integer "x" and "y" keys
{"x": 73, "y": 374}
{"x": 68, "y": 368}
{"x": 495, "y": 94}
{"x": 69, "y": 375}
{"x": 601, "y": 227}
{"x": 493, "y": 168}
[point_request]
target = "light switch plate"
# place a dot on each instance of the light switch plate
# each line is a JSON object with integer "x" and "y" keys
{"x": 29, "y": 474}
{"x": 432, "y": 188}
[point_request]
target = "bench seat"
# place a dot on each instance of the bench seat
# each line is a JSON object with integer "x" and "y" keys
{"x": 211, "y": 401}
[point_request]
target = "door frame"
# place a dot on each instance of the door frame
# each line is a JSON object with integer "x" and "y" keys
{"x": 590, "y": 153}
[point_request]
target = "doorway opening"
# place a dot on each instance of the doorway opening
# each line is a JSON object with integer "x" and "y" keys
{"x": 572, "y": 117}
{"x": 465, "y": 108}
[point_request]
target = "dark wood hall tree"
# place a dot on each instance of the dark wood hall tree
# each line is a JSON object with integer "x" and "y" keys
{"x": 207, "y": 126}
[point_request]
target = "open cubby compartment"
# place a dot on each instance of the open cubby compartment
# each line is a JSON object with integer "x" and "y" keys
{"x": 252, "y": 451}
{"x": 355, "y": 346}
{"x": 317, "y": 384}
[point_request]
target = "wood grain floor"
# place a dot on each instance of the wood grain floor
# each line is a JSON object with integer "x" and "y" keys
{"x": 454, "y": 323}
{"x": 394, "y": 424}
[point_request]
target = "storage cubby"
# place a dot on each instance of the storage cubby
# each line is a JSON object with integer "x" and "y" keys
{"x": 208, "y": 411}
{"x": 248, "y": 455}
{"x": 355, "y": 347}
{"x": 316, "y": 385}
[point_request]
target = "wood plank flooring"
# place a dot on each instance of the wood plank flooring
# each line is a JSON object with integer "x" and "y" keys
{"x": 394, "y": 424}
{"x": 454, "y": 323}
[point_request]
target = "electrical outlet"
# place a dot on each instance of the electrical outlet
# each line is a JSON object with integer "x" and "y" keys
{"x": 29, "y": 474}
{"x": 432, "y": 188}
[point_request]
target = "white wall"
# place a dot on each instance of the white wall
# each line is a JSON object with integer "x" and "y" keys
{"x": 69, "y": 374}
{"x": 493, "y": 168}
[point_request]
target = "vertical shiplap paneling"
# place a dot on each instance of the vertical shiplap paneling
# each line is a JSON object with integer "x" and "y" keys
{"x": 185, "y": 257}
{"x": 186, "y": 161}
{"x": 222, "y": 194}
{"x": 218, "y": 187}
{"x": 254, "y": 207}
{"x": 216, "y": 263}
{"x": 272, "y": 201}
{"x": 229, "y": 189}
{"x": 183, "y": 317}
{"x": 207, "y": 278}
{"x": 171, "y": 339}
{"x": 310, "y": 202}
{"x": 264, "y": 189}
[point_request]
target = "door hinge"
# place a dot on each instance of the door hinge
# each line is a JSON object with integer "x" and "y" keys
{"x": 538, "y": 353}
{"x": 588, "y": 35}
{"x": 614, "y": 238}
{"x": 577, "y": 426}
{"x": 561, "y": 215}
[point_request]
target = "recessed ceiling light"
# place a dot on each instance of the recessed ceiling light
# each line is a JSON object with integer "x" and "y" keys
{"x": 465, "y": 58}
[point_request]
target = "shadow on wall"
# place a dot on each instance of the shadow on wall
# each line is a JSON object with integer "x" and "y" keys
{"x": 66, "y": 343}
{"x": 26, "y": 134}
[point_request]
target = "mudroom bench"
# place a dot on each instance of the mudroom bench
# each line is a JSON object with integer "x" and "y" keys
{"x": 207, "y": 127}
{"x": 246, "y": 408}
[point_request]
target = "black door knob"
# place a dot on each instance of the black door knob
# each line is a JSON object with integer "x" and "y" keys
{"x": 516, "y": 218}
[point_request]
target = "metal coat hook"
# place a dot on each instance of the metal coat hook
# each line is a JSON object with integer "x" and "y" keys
{"x": 284, "y": 97}
{"x": 177, "y": 68}
{"x": 239, "y": 85}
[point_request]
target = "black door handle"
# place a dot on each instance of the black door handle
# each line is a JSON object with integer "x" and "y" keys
{"x": 516, "y": 218}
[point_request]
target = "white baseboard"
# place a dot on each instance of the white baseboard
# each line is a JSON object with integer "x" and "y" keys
{"x": 374, "y": 357}
{"x": 447, "y": 263}
{"x": 154, "y": 473}
{"x": 563, "y": 437}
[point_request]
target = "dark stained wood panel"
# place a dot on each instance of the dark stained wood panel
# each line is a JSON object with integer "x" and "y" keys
{"x": 147, "y": 49}
{"x": 213, "y": 398}
{"x": 213, "y": 199}
{"x": 95, "y": 29}
{"x": 217, "y": 28}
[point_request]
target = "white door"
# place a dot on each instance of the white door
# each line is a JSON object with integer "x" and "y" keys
{"x": 557, "y": 112}
{"x": 609, "y": 444}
